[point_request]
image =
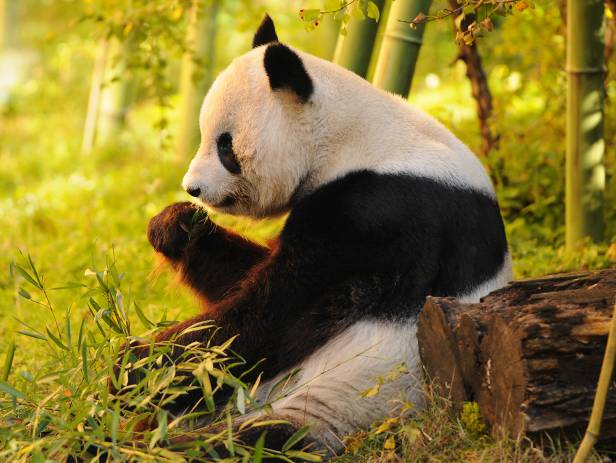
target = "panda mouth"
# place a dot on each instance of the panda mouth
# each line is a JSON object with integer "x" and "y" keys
{"x": 227, "y": 201}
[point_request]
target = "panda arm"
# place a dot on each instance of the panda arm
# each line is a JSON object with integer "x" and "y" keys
{"x": 210, "y": 259}
{"x": 271, "y": 299}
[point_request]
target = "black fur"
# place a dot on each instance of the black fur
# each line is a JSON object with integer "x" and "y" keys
{"x": 364, "y": 246}
{"x": 285, "y": 70}
{"x": 211, "y": 260}
{"x": 266, "y": 33}
{"x": 224, "y": 146}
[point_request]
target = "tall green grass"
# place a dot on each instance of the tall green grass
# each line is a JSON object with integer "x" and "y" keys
{"x": 64, "y": 409}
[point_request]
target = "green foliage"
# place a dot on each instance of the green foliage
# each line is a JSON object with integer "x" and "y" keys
{"x": 77, "y": 404}
{"x": 471, "y": 419}
{"x": 342, "y": 11}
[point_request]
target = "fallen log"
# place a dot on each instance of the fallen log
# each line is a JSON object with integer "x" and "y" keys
{"x": 529, "y": 354}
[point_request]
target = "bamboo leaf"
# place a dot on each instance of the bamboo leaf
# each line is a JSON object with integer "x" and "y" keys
{"x": 23, "y": 272}
{"x": 163, "y": 425}
{"x": 55, "y": 340}
{"x": 295, "y": 438}
{"x": 309, "y": 14}
{"x": 8, "y": 361}
{"x": 4, "y": 387}
{"x": 373, "y": 11}
{"x": 25, "y": 294}
{"x": 36, "y": 275}
{"x": 257, "y": 455}
{"x": 80, "y": 335}
{"x": 84, "y": 361}
{"x": 304, "y": 455}
{"x": 32, "y": 334}
{"x": 144, "y": 320}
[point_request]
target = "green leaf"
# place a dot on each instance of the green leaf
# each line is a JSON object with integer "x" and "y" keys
{"x": 310, "y": 14}
{"x": 80, "y": 335}
{"x": 56, "y": 341}
{"x": 257, "y": 456}
{"x": 373, "y": 11}
{"x": 295, "y": 438}
{"x": 101, "y": 282}
{"x": 84, "y": 361}
{"x": 303, "y": 455}
{"x": 25, "y": 294}
{"x": 36, "y": 275}
{"x": 8, "y": 361}
{"x": 32, "y": 334}
{"x": 4, "y": 387}
{"x": 357, "y": 13}
{"x": 27, "y": 276}
{"x": 163, "y": 425}
{"x": 144, "y": 320}
{"x": 115, "y": 422}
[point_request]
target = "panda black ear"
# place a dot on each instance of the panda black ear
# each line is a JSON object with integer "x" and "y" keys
{"x": 266, "y": 33}
{"x": 285, "y": 70}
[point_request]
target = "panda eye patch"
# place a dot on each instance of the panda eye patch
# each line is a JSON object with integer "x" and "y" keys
{"x": 224, "y": 145}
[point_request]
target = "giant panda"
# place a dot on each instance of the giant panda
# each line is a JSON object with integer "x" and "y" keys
{"x": 385, "y": 207}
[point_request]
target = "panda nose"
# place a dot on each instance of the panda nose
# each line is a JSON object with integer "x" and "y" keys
{"x": 193, "y": 191}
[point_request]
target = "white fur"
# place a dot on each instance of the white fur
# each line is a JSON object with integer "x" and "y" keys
{"x": 347, "y": 125}
{"x": 341, "y": 370}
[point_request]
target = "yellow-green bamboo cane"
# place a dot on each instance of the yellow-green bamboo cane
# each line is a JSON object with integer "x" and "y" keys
{"x": 201, "y": 38}
{"x": 9, "y": 22}
{"x": 354, "y": 50}
{"x": 379, "y": 39}
{"x": 585, "y": 173}
{"x": 94, "y": 100}
{"x": 400, "y": 48}
{"x": 117, "y": 92}
{"x": 605, "y": 379}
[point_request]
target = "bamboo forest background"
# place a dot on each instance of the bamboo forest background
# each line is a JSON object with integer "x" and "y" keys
{"x": 78, "y": 184}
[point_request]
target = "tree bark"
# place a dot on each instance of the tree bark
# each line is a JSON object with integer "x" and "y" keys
{"x": 529, "y": 354}
{"x": 469, "y": 54}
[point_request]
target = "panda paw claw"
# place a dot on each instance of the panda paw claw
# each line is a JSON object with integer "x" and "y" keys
{"x": 169, "y": 231}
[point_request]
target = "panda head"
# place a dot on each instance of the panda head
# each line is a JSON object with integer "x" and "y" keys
{"x": 257, "y": 127}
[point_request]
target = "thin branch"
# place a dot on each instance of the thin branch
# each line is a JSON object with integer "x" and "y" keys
{"x": 446, "y": 12}
{"x": 469, "y": 54}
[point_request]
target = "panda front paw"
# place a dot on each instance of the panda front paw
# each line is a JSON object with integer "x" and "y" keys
{"x": 170, "y": 230}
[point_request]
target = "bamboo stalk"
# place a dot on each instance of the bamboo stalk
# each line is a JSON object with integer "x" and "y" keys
{"x": 201, "y": 36}
{"x": 354, "y": 50}
{"x": 94, "y": 100}
{"x": 378, "y": 41}
{"x": 605, "y": 378}
{"x": 585, "y": 172}
{"x": 400, "y": 49}
{"x": 9, "y": 23}
{"x": 116, "y": 92}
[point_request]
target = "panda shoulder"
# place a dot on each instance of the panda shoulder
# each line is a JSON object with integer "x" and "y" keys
{"x": 363, "y": 202}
